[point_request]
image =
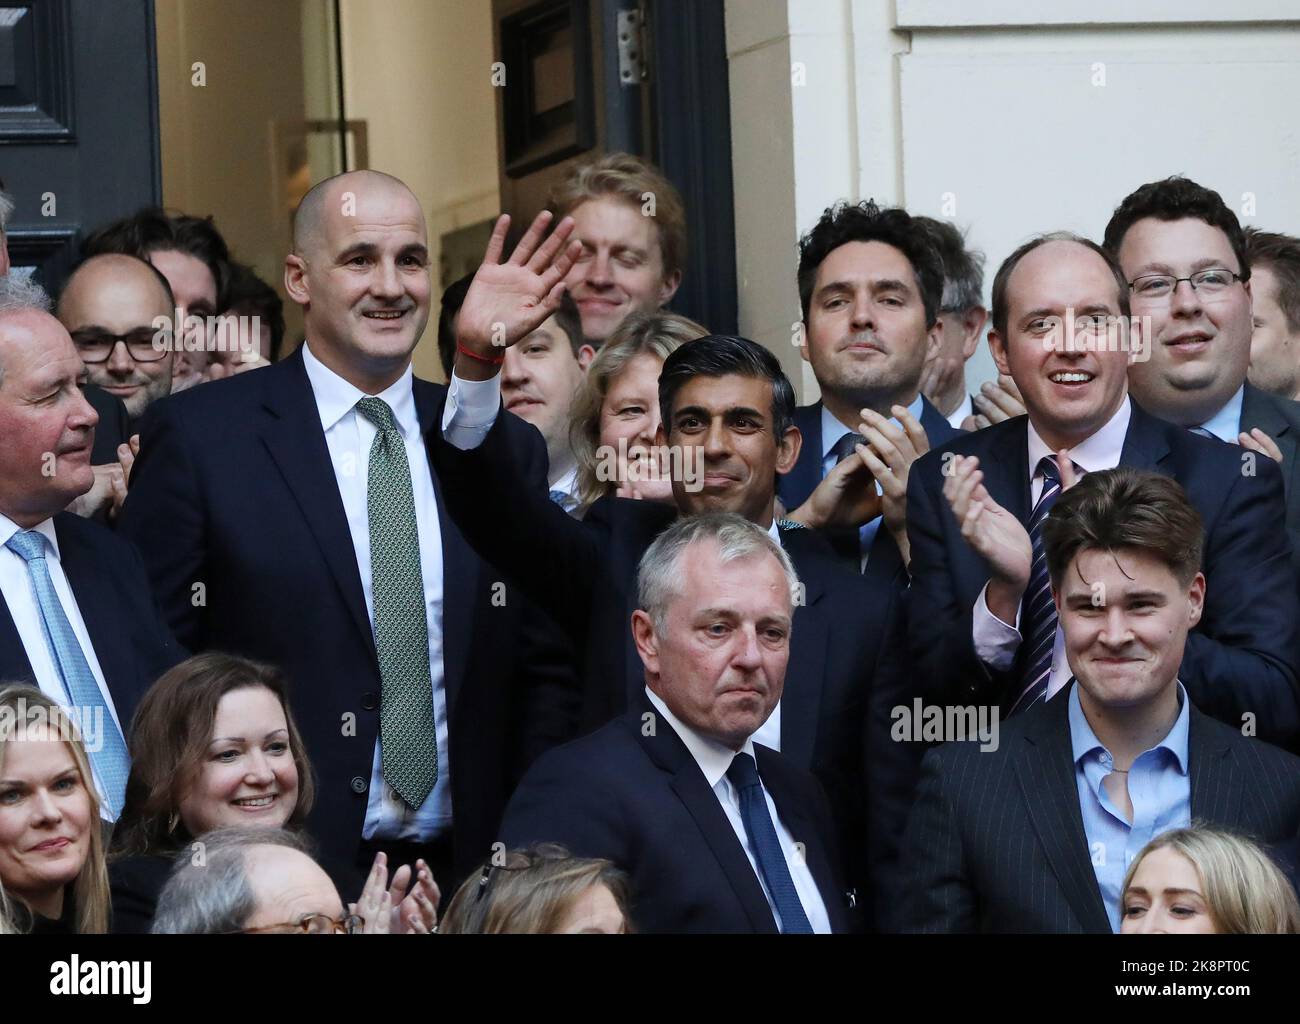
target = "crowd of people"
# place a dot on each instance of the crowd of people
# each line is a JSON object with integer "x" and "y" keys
{"x": 609, "y": 634}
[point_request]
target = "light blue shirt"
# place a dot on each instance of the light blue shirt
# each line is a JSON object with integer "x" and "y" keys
{"x": 349, "y": 435}
{"x": 832, "y": 431}
{"x": 1226, "y": 423}
{"x": 1158, "y": 786}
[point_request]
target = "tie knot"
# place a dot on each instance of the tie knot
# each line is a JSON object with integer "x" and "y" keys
{"x": 27, "y": 544}
{"x": 743, "y": 772}
{"x": 378, "y": 412}
{"x": 845, "y": 445}
{"x": 1049, "y": 470}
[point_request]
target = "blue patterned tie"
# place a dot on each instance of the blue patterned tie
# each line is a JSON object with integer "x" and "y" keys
{"x": 1038, "y": 611}
{"x": 112, "y": 762}
{"x": 743, "y": 774}
{"x": 565, "y": 500}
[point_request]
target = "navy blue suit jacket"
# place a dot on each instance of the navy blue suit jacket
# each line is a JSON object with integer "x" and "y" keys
{"x": 632, "y": 793}
{"x": 584, "y": 573}
{"x": 996, "y": 841}
{"x": 1279, "y": 418}
{"x": 104, "y": 572}
{"x": 1242, "y": 657}
{"x": 234, "y": 489}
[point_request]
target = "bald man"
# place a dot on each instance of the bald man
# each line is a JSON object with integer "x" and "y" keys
{"x": 313, "y": 537}
{"x": 114, "y": 307}
{"x": 78, "y": 620}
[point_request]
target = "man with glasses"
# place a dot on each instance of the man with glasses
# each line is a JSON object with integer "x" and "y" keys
{"x": 1184, "y": 256}
{"x": 982, "y": 626}
{"x": 112, "y": 305}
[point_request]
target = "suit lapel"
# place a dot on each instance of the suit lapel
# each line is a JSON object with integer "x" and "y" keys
{"x": 1146, "y": 445}
{"x": 806, "y": 669}
{"x": 803, "y": 479}
{"x": 1045, "y": 770}
{"x": 668, "y": 752}
{"x": 98, "y": 606}
{"x": 1006, "y": 469}
{"x": 293, "y": 436}
{"x": 460, "y": 565}
{"x": 1259, "y": 409}
{"x": 1217, "y": 791}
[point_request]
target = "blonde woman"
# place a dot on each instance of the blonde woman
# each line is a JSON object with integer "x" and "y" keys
{"x": 615, "y": 413}
{"x": 1208, "y": 881}
{"x": 541, "y": 891}
{"x": 52, "y": 870}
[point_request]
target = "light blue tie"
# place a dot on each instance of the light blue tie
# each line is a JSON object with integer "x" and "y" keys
{"x": 111, "y": 761}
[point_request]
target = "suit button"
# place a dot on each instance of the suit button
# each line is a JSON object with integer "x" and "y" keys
{"x": 370, "y": 701}
{"x": 358, "y": 784}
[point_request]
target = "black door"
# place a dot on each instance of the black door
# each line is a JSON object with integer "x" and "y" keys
{"x": 78, "y": 123}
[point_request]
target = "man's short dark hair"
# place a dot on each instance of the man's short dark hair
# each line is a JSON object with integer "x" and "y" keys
{"x": 721, "y": 355}
{"x": 1280, "y": 254}
{"x": 999, "y": 311}
{"x": 867, "y": 222}
{"x": 963, "y": 269}
{"x": 247, "y": 293}
{"x": 1177, "y": 198}
{"x": 155, "y": 230}
{"x": 1125, "y": 508}
{"x": 452, "y": 299}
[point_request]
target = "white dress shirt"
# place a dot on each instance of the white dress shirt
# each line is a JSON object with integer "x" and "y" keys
{"x": 996, "y": 642}
{"x": 967, "y": 408}
{"x": 349, "y": 436}
{"x": 16, "y": 586}
{"x": 714, "y": 759}
{"x": 1226, "y": 423}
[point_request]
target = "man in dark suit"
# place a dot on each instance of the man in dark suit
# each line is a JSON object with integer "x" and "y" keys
{"x": 291, "y": 514}
{"x": 1187, "y": 261}
{"x": 79, "y": 619}
{"x": 726, "y": 408}
{"x": 1060, "y": 329}
{"x": 870, "y": 285}
{"x": 1036, "y": 835}
{"x": 717, "y": 832}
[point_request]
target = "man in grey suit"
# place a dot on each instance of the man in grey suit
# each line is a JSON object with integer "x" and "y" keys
{"x": 1035, "y": 834}
{"x": 1188, "y": 264}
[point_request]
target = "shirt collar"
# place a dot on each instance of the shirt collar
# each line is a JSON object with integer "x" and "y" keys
{"x": 713, "y": 757}
{"x": 1101, "y": 450}
{"x": 567, "y": 483}
{"x": 833, "y": 429}
{"x": 1084, "y": 741}
{"x": 46, "y": 529}
{"x": 336, "y": 397}
{"x": 1226, "y": 423}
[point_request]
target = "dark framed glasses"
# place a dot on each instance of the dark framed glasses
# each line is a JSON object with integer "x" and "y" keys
{"x": 144, "y": 344}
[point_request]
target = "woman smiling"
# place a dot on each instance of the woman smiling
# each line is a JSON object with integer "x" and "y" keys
{"x": 52, "y": 874}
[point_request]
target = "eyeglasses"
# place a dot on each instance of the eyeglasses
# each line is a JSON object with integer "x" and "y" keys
{"x": 144, "y": 344}
{"x": 1209, "y": 284}
{"x": 317, "y": 924}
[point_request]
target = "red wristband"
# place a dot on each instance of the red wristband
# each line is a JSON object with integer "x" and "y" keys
{"x": 497, "y": 361}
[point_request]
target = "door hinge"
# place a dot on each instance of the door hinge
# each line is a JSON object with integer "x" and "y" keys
{"x": 633, "y": 69}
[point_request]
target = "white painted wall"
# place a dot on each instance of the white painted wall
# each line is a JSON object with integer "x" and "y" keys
{"x": 1008, "y": 118}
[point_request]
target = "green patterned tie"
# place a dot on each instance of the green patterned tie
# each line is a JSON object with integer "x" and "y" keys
{"x": 406, "y": 728}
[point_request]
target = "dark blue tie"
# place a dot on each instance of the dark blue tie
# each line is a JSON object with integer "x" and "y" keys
{"x": 847, "y": 543}
{"x": 1038, "y": 612}
{"x": 743, "y": 774}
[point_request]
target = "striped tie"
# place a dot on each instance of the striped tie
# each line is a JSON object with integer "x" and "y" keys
{"x": 1038, "y": 612}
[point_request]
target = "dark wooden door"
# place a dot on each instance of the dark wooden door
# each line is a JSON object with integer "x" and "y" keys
{"x": 78, "y": 123}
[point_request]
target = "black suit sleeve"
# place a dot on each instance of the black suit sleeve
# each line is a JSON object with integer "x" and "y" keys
{"x": 563, "y": 800}
{"x": 114, "y": 425}
{"x": 163, "y": 515}
{"x": 552, "y": 557}
{"x": 938, "y": 896}
{"x": 939, "y": 628}
{"x": 1242, "y": 660}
